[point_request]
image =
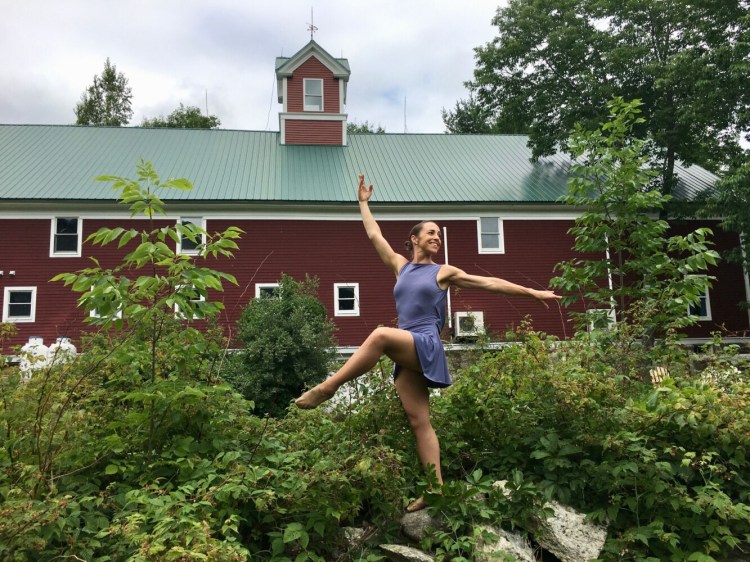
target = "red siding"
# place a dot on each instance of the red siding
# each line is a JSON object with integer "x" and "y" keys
{"x": 728, "y": 289}
{"x": 313, "y": 68}
{"x": 299, "y": 131}
{"x": 336, "y": 252}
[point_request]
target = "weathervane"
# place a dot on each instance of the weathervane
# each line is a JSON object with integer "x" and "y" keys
{"x": 310, "y": 26}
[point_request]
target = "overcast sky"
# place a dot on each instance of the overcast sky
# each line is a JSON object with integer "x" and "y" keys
{"x": 408, "y": 58}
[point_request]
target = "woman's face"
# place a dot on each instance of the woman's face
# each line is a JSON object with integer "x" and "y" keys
{"x": 428, "y": 239}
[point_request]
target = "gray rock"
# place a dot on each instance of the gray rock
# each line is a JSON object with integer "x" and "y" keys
{"x": 507, "y": 543}
{"x": 401, "y": 553}
{"x": 415, "y": 525}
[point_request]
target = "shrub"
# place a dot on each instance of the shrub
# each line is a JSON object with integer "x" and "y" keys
{"x": 288, "y": 345}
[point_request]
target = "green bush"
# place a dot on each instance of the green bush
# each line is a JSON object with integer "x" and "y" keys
{"x": 664, "y": 466}
{"x": 288, "y": 345}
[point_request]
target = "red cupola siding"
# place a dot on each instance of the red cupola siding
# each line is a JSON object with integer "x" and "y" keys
{"x": 312, "y": 89}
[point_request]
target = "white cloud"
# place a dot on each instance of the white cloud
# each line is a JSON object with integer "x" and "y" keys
{"x": 177, "y": 51}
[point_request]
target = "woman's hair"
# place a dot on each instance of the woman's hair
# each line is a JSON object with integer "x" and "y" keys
{"x": 415, "y": 230}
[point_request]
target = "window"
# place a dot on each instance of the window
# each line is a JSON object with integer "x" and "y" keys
{"x": 701, "y": 309}
{"x": 192, "y": 296}
{"x": 66, "y": 237}
{"x": 265, "y": 289}
{"x": 188, "y": 246}
{"x": 111, "y": 297}
{"x": 346, "y": 299}
{"x": 19, "y": 304}
{"x": 313, "y": 94}
{"x": 491, "y": 240}
{"x": 601, "y": 318}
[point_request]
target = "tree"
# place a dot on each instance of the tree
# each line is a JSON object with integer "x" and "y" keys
{"x": 189, "y": 117}
{"x": 365, "y": 127}
{"x": 106, "y": 101}
{"x": 554, "y": 64}
{"x": 628, "y": 265}
{"x": 288, "y": 342}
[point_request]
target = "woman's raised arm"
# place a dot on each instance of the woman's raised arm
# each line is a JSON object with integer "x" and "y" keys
{"x": 390, "y": 258}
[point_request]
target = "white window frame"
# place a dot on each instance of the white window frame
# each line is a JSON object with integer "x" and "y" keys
{"x": 500, "y": 234}
{"x": 6, "y": 305}
{"x": 260, "y": 288}
{"x": 200, "y": 222}
{"x": 337, "y": 311}
{"x": 705, "y": 296}
{"x": 53, "y": 235}
{"x": 310, "y": 107}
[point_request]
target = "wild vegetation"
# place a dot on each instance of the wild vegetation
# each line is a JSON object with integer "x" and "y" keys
{"x": 139, "y": 449}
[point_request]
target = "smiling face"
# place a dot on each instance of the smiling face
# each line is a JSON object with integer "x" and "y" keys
{"x": 427, "y": 241}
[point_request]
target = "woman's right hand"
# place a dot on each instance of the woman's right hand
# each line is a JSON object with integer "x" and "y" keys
{"x": 363, "y": 193}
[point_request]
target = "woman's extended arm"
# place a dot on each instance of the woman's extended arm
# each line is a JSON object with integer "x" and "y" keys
{"x": 390, "y": 258}
{"x": 450, "y": 275}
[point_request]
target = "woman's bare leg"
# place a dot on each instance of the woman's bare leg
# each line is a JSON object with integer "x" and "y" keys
{"x": 415, "y": 398}
{"x": 395, "y": 343}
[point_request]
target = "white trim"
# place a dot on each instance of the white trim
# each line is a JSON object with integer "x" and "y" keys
{"x": 317, "y": 116}
{"x": 342, "y": 95}
{"x": 303, "y": 212}
{"x": 200, "y": 222}
{"x": 260, "y": 286}
{"x": 6, "y": 305}
{"x": 53, "y": 234}
{"x": 286, "y": 97}
{"x": 501, "y": 236}
{"x": 315, "y": 108}
{"x": 745, "y": 275}
{"x": 336, "y": 299}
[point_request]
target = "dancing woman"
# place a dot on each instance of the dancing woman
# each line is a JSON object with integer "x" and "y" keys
{"x": 414, "y": 347}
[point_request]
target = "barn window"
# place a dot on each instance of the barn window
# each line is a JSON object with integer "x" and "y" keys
{"x": 313, "y": 94}
{"x": 490, "y": 233}
{"x": 190, "y": 243}
{"x": 19, "y": 304}
{"x": 66, "y": 237}
{"x": 702, "y": 308}
{"x": 346, "y": 299}
{"x": 265, "y": 289}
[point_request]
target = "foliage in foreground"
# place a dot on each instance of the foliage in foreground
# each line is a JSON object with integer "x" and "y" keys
{"x": 101, "y": 463}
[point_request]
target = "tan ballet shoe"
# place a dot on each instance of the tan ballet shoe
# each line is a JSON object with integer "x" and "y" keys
{"x": 312, "y": 398}
{"x": 416, "y": 505}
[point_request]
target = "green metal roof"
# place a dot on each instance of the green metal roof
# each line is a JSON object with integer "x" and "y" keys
{"x": 49, "y": 163}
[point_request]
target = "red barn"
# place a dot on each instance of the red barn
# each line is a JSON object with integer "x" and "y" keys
{"x": 293, "y": 192}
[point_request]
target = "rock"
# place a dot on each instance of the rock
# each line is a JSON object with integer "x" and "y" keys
{"x": 506, "y": 543}
{"x": 569, "y": 536}
{"x": 401, "y": 553}
{"x": 415, "y": 525}
{"x": 739, "y": 554}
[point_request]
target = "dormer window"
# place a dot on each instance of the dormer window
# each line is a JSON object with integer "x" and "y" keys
{"x": 313, "y": 94}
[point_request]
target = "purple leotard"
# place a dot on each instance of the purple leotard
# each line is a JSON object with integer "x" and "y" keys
{"x": 420, "y": 304}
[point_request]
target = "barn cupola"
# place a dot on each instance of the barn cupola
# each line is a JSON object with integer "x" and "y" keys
{"x": 312, "y": 89}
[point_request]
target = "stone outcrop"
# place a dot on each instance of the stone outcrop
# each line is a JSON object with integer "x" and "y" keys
{"x": 569, "y": 536}
{"x": 506, "y": 543}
